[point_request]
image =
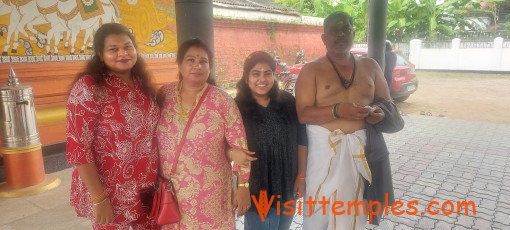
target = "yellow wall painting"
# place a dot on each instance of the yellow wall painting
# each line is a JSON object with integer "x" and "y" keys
{"x": 55, "y": 30}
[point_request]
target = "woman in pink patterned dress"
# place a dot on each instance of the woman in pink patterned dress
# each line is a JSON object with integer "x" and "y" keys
{"x": 203, "y": 177}
{"x": 111, "y": 120}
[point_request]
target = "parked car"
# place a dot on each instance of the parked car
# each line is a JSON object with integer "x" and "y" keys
{"x": 404, "y": 82}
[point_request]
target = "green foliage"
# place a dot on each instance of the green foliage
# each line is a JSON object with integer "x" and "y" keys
{"x": 322, "y": 8}
{"x": 406, "y": 19}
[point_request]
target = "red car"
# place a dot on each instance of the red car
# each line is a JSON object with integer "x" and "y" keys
{"x": 404, "y": 82}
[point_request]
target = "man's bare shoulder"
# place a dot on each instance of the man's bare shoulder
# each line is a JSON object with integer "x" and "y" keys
{"x": 367, "y": 62}
{"x": 313, "y": 66}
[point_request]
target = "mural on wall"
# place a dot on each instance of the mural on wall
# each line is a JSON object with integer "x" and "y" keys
{"x": 56, "y": 30}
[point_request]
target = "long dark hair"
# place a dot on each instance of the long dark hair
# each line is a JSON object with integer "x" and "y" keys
{"x": 243, "y": 90}
{"x": 244, "y": 98}
{"x": 196, "y": 42}
{"x": 97, "y": 69}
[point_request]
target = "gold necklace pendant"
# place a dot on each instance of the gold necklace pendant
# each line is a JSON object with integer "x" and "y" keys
{"x": 184, "y": 114}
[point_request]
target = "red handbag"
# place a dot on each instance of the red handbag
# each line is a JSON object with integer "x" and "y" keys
{"x": 165, "y": 209}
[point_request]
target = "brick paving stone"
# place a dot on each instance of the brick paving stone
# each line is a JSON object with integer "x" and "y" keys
{"x": 421, "y": 166}
{"x": 403, "y": 227}
{"x": 426, "y": 223}
{"x": 402, "y": 220}
{"x": 493, "y": 188}
{"x": 468, "y": 175}
{"x": 429, "y": 182}
{"x": 499, "y": 226}
{"x": 488, "y": 179}
{"x": 458, "y": 227}
{"x": 488, "y": 204}
{"x": 429, "y": 191}
{"x": 384, "y": 225}
{"x": 427, "y": 174}
{"x": 497, "y": 173}
{"x": 502, "y": 205}
{"x": 503, "y": 210}
{"x": 484, "y": 213}
{"x": 441, "y": 225}
{"x": 440, "y": 176}
{"x": 441, "y": 217}
{"x": 479, "y": 184}
{"x": 465, "y": 221}
{"x": 458, "y": 180}
{"x": 482, "y": 194}
{"x": 410, "y": 178}
{"x": 448, "y": 186}
{"x": 463, "y": 189}
{"x": 505, "y": 188}
{"x": 456, "y": 173}
{"x": 416, "y": 188}
{"x": 401, "y": 184}
{"x": 453, "y": 195}
{"x": 398, "y": 176}
{"x": 441, "y": 170}
{"x": 502, "y": 218}
{"x": 504, "y": 198}
{"x": 482, "y": 224}
{"x": 484, "y": 171}
{"x": 398, "y": 193}
{"x": 477, "y": 200}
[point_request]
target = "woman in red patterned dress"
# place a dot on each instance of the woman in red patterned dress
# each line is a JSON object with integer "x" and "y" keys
{"x": 111, "y": 119}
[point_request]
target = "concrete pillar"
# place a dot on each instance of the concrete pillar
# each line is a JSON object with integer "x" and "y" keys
{"x": 456, "y": 57}
{"x": 377, "y": 30}
{"x": 194, "y": 19}
{"x": 498, "y": 54}
{"x": 414, "y": 52}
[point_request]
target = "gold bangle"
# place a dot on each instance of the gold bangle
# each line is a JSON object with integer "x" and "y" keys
{"x": 98, "y": 197}
{"x": 100, "y": 202}
{"x": 301, "y": 177}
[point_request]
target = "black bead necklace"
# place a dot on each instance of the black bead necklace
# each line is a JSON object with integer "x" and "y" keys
{"x": 345, "y": 83}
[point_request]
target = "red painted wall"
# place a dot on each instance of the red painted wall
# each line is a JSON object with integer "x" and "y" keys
{"x": 235, "y": 40}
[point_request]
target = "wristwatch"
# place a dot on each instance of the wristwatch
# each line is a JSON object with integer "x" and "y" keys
{"x": 245, "y": 184}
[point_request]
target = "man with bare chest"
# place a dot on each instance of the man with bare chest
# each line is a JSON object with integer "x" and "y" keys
{"x": 333, "y": 97}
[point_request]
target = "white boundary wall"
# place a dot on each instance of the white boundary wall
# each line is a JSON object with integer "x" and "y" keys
{"x": 483, "y": 59}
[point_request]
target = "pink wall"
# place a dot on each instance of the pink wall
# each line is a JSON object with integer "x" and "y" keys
{"x": 235, "y": 40}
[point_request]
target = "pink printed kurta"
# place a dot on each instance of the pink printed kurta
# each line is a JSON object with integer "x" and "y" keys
{"x": 203, "y": 179}
{"x": 112, "y": 125}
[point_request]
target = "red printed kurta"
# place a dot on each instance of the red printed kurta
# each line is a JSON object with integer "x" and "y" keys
{"x": 112, "y": 125}
{"x": 203, "y": 178}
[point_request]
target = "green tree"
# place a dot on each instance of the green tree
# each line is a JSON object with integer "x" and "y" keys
{"x": 406, "y": 19}
{"x": 322, "y": 8}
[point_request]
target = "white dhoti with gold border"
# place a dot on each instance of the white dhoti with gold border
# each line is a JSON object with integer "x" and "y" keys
{"x": 335, "y": 167}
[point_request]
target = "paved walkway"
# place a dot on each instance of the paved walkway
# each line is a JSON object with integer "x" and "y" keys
{"x": 433, "y": 159}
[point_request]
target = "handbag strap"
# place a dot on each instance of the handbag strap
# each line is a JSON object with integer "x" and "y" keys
{"x": 185, "y": 131}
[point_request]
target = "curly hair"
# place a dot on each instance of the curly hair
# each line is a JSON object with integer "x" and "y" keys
{"x": 97, "y": 69}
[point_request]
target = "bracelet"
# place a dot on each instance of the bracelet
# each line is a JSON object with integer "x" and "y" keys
{"x": 100, "y": 202}
{"x": 335, "y": 114}
{"x": 301, "y": 177}
{"x": 98, "y": 197}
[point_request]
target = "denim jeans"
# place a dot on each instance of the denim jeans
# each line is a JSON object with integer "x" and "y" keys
{"x": 273, "y": 221}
